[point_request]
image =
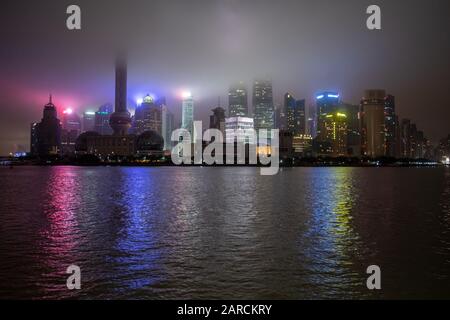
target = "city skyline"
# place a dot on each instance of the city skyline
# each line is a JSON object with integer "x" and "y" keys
{"x": 244, "y": 151}
{"x": 350, "y": 68}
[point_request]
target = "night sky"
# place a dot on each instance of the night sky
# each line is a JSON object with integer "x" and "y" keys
{"x": 204, "y": 46}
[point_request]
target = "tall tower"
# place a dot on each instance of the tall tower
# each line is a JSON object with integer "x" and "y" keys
{"x": 374, "y": 125}
{"x": 263, "y": 107}
{"x": 391, "y": 137}
{"x": 120, "y": 120}
{"x": 237, "y": 101}
{"x": 188, "y": 113}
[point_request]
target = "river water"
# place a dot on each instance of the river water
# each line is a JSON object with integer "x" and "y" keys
{"x": 224, "y": 233}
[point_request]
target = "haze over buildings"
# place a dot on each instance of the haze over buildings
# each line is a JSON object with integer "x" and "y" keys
{"x": 303, "y": 46}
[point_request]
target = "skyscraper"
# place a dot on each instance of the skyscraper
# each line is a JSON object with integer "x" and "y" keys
{"x": 34, "y": 138}
{"x": 295, "y": 115}
{"x": 71, "y": 129}
{"x": 280, "y": 117}
{"x": 263, "y": 107}
{"x": 235, "y": 130}
{"x": 326, "y": 103}
{"x": 46, "y": 135}
{"x": 102, "y": 116}
{"x": 148, "y": 116}
{"x": 217, "y": 119}
{"x": 187, "y": 117}
{"x": 390, "y": 126}
{"x": 374, "y": 123}
{"x": 120, "y": 120}
{"x": 167, "y": 126}
{"x": 88, "y": 121}
{"x": 71, "y": 121}
{"x": 238, "y": 101}
{"x": 331, "y": 125}
{"x": 353, "y": 128}
{"x": 405, "y": 133}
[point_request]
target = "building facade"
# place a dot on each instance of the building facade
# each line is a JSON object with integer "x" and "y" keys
{"x": 263, "y": 107}
{"x": 374, "y": 123}
{"x": 238, "y": 101}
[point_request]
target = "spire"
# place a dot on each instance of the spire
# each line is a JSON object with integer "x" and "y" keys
{"x": 50, "y": 99}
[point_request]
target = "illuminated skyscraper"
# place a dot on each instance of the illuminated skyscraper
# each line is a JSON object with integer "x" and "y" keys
{"x": 263, "y": 107}
{"x": 238, "y": 101}
{"x": 102, "y": 117}
{"x": 71, "y": 121}
{"x": 295, "y": 115}
{"x": 235, "y": 130}
{"x": 374, "y": 123}
{"x": 88, "y": 121}
{"x": 390, "y": 125}
{"x": 167, "y": 127}
{"x": 71, "y": 129}
{"x": 331, "y": 125}
{"x": 120, "y": 120}
{"x": 187, "y": 117}
{"x": 327, "y": 103}
{"x": 148, "y": 116}
{"x": 335, "y": 128}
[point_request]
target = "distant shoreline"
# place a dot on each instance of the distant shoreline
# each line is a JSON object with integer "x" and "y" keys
{"x": 316, "y": 165}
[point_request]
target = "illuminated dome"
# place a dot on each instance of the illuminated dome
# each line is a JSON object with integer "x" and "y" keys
{"x": 148, "y": 99}
{"x": 81, "y": 144}
{"x": 150, "y": 141}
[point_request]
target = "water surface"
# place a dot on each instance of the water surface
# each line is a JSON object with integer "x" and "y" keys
{"x": 224, "y": 233}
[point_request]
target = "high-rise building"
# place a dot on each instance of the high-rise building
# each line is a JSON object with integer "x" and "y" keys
{"x": 238, "y": 101}
{"x": 295, "y": 115}
{"x": 331, "y": 137}
{"x": 311, "y": 122}
{"x": 34, "y": 138}
{"x": 301, "y": 143}
{"x": 235, "y": 130}
{"x": 46, "y": 135}
{"x": 102, "y": 117}
{"x": 280, "y": 117}
{"x": 167, "y": 127}
{"x": 88, "y": 121}
{"x": 405, "y": 138}
{"x": 120, "y": 120}
{"x": 374, "y": 123}
{"x": 390, "y": 126}
{"x": 148, "y": 116}
{"x": 187, "y": 116}
{"x": 217, "y": 119}
{"x": 326, "y": 103}
{"x": 353, "y": 128}
{"x": 263, "y": 107}
{"x": 443, "y": 150}
{"x": 71, "y": 129}
{"x": 335, "y": 128}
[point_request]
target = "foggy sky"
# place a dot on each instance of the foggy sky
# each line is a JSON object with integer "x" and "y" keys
{"x": 206, "y": 45}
